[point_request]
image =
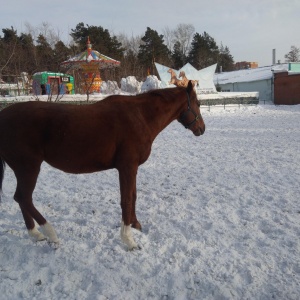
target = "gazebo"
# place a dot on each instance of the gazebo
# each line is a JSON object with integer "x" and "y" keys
{"x": 88, "y": 64}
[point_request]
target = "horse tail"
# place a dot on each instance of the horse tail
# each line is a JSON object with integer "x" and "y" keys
{"x": 2, "y": 168}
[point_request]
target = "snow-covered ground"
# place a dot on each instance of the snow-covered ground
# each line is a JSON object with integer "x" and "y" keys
{"x": 220, "y": 216}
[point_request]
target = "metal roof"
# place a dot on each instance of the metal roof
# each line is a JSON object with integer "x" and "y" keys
{"x": 248, "y": 75}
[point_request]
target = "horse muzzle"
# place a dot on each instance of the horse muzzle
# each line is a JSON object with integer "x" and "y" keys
{"x": 196, "y": 124}
{"x": 199, "y": 130}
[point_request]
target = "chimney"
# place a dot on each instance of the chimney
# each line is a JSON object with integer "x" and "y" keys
{"x": 274, "y": 57}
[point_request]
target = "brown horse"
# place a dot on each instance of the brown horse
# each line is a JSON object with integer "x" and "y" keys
{"x": 116, "y": 132}
{"x": 174, "y": 80}
{"x": 185, "y": 81}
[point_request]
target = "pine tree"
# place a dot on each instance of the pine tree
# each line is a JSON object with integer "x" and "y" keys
{"x": 153, "y": 50}
{"x": 225, "y": 59}
{"x": 204, "y": 51}
{"x": 100, "y": 38}
{"x": 8, "y": 53}
{"x": 44, "y": 54}
{"x": 27, "y": 59}
{"x": 60, "y": 53}
{"x": 178, "y": 58}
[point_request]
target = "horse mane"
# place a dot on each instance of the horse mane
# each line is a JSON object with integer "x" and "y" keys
{"x": 165, "y": 95}
{"x": 168, "y": 93}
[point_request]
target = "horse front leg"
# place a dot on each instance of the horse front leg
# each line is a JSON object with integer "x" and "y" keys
{"x": 134, "y": 222}
{"x": 127, "y": 177}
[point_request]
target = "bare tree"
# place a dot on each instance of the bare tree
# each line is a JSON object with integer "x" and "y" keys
{"x": 169, "y": 37}
{"x": 33, "y": 31}
{"x": 184, "y": 35}
{"x": 129, "y": 62}
{"x": 293, "y": 55}
{"x": 131, "y": 44}
{"x": 51, "y": 34}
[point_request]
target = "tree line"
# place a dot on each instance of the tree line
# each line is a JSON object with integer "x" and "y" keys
{"x": 41, "y": 49}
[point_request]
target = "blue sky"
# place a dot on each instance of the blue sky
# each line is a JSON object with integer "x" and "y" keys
{"x": 251, "y": 29}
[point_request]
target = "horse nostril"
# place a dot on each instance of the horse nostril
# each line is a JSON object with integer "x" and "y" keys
{"x": 202, "y": 129}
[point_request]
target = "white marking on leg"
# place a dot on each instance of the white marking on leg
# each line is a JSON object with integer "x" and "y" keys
{"x": 49, "y": 231}
{"x": 126, "y": 236}
{"x": 38, "y": 236}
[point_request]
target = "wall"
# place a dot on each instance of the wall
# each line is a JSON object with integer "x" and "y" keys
{"x": 264, "y": 87}
{"x": 286, "y": 88}
{"x": 294, "y": 67}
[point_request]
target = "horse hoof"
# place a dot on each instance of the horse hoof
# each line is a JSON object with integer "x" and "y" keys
{"x": 53, "y": 245}
{"x": 36, "y": 235}
{"x": 136, "y": 248}
{"x": 49, "y": 232}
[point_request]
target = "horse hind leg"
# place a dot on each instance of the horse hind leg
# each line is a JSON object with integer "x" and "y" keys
{"x": 30, "y": 213}
{"x": 30, "y": 225}
{"x": 23, "y": 195}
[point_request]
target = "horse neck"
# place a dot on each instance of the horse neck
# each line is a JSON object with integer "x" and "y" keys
{"x": 163, "y": 111}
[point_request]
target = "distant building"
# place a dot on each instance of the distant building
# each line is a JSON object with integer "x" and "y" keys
{"x": 250, "y": 80}
{"x": 17, "y": 86}
{"x": 278, "y": 83}
{"x": 48, "y": 83}
{"x": 245, "y": 65}
{"x": 287, "y": 85}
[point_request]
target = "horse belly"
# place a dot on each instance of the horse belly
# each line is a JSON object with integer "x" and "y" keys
{"x": 81, "y": 159}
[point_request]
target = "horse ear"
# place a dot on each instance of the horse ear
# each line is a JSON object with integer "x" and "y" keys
{"x": 190, "y": 86}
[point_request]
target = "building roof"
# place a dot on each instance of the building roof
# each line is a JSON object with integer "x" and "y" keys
{"x": 249, "y": 75}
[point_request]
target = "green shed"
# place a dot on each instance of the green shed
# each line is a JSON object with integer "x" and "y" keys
{"x": 47, "y": 83}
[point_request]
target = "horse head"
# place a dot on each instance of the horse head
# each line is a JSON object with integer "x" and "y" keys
{"x": 172, "y": 72}
{"x": 191, "y": 117}
{"x": 181, "y": 74}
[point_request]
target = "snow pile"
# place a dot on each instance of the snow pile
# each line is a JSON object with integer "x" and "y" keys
{"x": 131, "y": 85}
{"x": 110, "y": 87}
{"x": 151, "y": 83}
{"x": 220, "y": 216}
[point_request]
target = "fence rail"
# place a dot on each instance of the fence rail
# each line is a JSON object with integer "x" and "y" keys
{"x": 229, "y": 101}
